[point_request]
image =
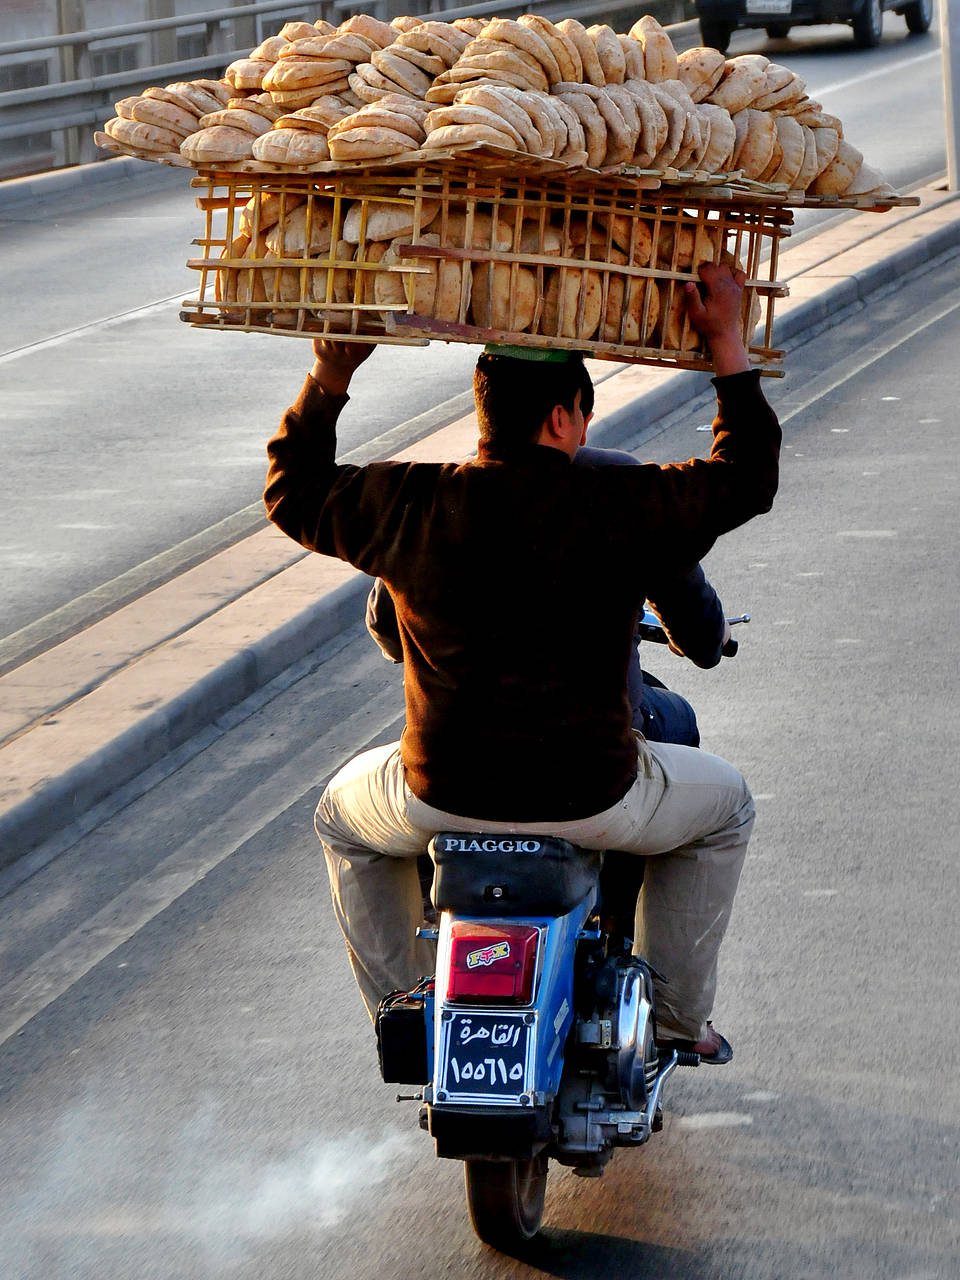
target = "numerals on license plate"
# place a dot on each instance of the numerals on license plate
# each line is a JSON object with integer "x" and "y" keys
{"x": 485, "y": 1054}
{"x": 773, "y": 8}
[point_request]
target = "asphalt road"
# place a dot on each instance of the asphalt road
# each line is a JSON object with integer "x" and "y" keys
{"x": 188, "y": 1085}
{"x": 126, "y": 433}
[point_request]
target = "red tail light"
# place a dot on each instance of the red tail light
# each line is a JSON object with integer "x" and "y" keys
{"x": 492, "y": 964}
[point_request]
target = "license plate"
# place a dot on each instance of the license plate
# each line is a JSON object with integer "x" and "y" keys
{"x": 485, "y": 1055}
{"x": 769, "y": 7}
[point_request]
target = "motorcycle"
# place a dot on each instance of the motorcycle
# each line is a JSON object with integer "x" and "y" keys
{"x": 535, "y": 1039}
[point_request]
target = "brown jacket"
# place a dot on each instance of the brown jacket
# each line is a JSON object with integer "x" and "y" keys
{"x": 517, "y": 579}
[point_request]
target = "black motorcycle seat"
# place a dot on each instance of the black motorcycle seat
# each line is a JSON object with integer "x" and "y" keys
{"x": 505, "y": 875}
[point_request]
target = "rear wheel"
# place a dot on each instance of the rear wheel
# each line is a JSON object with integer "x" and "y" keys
{"x": 918, "y": 16}
{"x": 868, "y": 25}
{"x": 716, "y": 35}
{"x": 505, "y": 1199}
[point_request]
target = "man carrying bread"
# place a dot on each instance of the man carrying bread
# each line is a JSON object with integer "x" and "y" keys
{"x": 505, "y": 732}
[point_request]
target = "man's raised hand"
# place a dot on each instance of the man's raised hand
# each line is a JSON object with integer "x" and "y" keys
{"x": 336, "y": 362}
{"x": 714, "y": 310}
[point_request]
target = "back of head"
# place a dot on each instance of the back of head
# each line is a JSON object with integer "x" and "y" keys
{"x": 515, "y": 395}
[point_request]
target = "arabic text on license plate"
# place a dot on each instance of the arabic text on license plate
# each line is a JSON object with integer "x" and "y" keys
{"x": 772, "y": 7}
{"x": 486, "y": 1054}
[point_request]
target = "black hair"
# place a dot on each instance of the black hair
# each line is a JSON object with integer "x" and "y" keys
{"x": 515, "y": 397}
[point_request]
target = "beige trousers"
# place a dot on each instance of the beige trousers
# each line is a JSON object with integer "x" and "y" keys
{"x": 690, "y": 812}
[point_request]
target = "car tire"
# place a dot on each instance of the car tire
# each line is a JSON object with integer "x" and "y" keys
{"x": 780, "y": 30}
{"x": 868, "y": 25}
{"x": 716, "y": 35}
{"x": 918, "y": 16}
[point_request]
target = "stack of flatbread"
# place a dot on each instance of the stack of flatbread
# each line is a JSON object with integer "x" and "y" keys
{"x": 229, "y": 134}
{"x": 313, "y": 66}
{"x": 580, "y": 95}
{"x": 392, "y": 125}
{"x": 410, "y": 62}
{"x": 156, "y": 122}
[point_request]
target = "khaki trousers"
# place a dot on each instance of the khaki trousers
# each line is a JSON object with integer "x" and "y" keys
{"x": 688, "y": 811}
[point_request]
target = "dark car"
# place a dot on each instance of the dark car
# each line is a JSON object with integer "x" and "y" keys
{"x": 720, "y": 18}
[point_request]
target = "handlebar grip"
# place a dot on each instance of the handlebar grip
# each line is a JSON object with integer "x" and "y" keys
{"x": 729, "y": 650}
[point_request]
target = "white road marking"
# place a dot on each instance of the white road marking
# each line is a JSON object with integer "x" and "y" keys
{"x": 873, "y": 75}
{"x": 820, "y": 893}
{"x": 75, "y": 955}
{"x": 851, "y": 368}
{"x": 715, "y": 1120}
{"x": 866, "y": 533}
{"x": 58, "y": 339}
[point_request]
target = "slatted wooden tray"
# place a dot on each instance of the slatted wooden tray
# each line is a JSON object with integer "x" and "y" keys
{"x": 481, "y": 254}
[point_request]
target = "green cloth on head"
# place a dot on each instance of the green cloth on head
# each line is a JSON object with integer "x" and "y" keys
{"x": 541, "y": 354}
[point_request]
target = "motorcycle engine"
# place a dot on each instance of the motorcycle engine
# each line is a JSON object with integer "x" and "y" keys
{"x": 605, "y": 1098}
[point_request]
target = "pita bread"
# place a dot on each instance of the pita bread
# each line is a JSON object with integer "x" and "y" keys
{"x": 369, "y": 142}
{"x": 247, "y": 73}
{"x": 219, "y": 143}
{"x": 465, "y": 113}
{"x": 291, "y": 146}
{"x": 740, "y": 86}
{"x": 576, "y": 33}
{"x": 575, "y": 151}
{"x": 756, "y": 139}
{"x": 631, "y": 235}
{"x": 296, "y": 74}
{"x": 718, "y": 154}
{"x": 654, "y": 127}
{"x": 249, "y": 121}
{"x": 411, "y": 78}
{"x": 633, "y": 58}
{"x": 564, "y": 49}
{"x": 527, "y": 41}
{"x": 273, "y": 206}
{"x": 269, "y": 50}
{"x": 792, "y": 145}
{"x": 145, "y": 137}
{"x": 297, "y": 30}
{"x": 459, "y": 135}
{"x": 827, "y": 143}
{"x": 675, "y": 115}
{"x": 376, "y": 115}
{"x": 469, "y": 26}
{"x": 659, "y": 55}
{"x": 504, "y": 297}
{"x": 624, "y": 321}
{"x": 567, "y": 292}
{"x": 611, "y": 55}
{"x": 387, "y": 220}
{"x": 484, "y": 234}
{"x": 381, "y": 33}
{"x": 699, "y": 70}
{"x": 498, "y": 101}
{"x": 191, "y": 97}
{"x": 676, "y": 332}
{"x": 840, "y": 173}
{"x": 593, "y": 124}
{"x": 809, "y": 168}
{"x": 166, "y": 115}
{"x": 429, "y": 44}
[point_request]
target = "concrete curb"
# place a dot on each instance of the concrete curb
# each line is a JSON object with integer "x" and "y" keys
{"x": 84, "y": 177}
{"x": 57, "y": 801}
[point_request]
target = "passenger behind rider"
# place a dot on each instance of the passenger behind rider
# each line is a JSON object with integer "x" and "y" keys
{"x": 487, "y": 561}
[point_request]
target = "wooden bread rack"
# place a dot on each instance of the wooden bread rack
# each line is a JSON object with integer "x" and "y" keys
{"x": 486, "y": 252}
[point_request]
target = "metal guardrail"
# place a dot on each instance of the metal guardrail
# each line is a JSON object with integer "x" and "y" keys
{"x": 86, "y": 101}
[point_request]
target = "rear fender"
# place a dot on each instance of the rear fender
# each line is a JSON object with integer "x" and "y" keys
{"x": 550, "y": 1011}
